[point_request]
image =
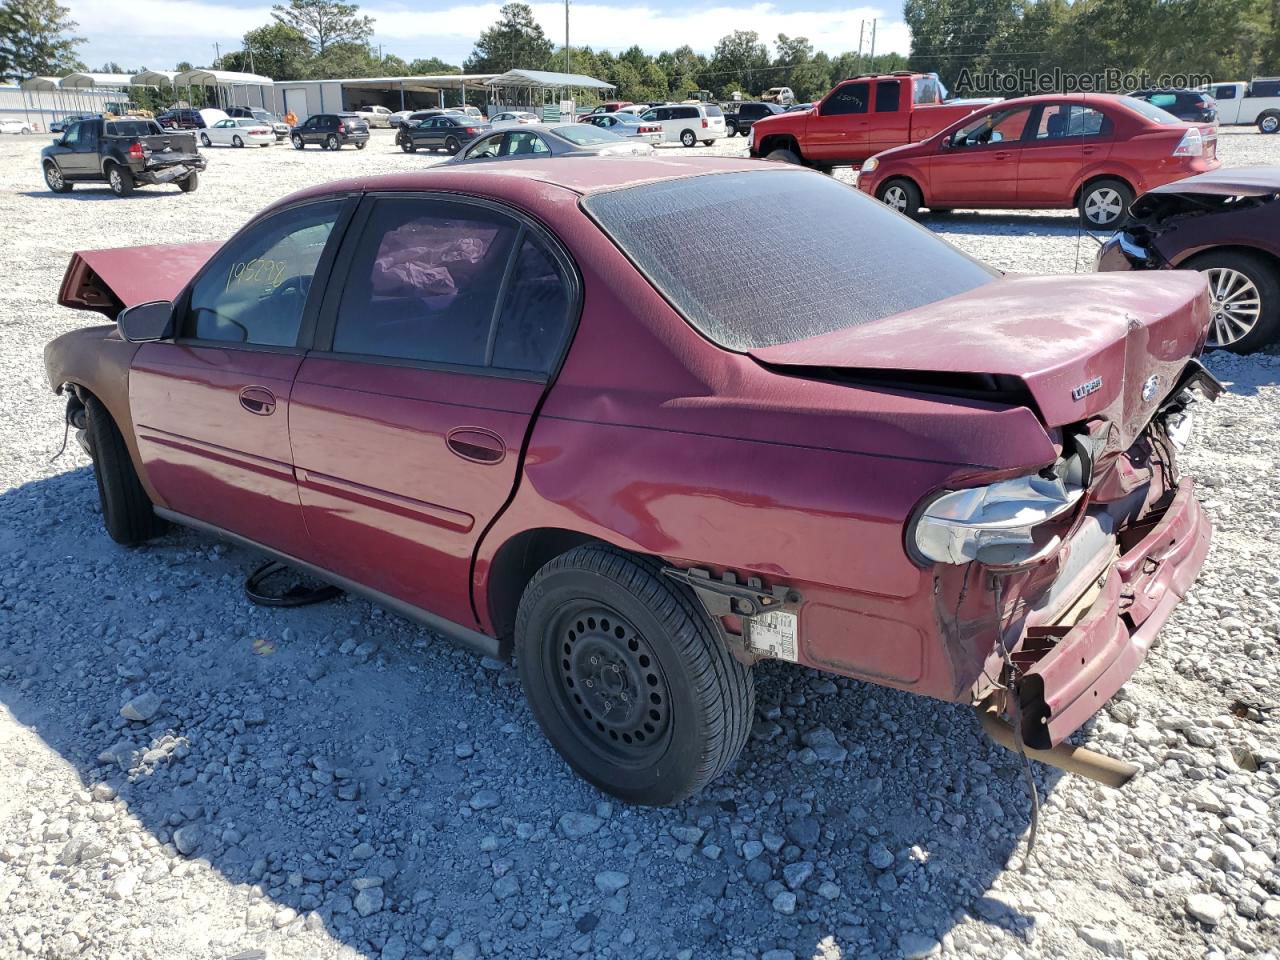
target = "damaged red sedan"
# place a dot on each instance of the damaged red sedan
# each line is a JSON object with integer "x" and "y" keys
{"x": 527, "y": 408}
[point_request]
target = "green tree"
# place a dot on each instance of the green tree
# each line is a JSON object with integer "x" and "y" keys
{"x": 801, "y": 70}
{"x": 948, "y": 36}
{"x": 276, "y": 51}
{"x": 325, "y": 22}
{"x": 35, "y": 39}
{"x": 342, "y": 60}
{"x": 431, "y": 67}
{"x": 515, "y": 41}
{"x": 740, "y": 63}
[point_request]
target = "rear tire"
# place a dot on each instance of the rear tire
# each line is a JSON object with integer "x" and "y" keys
{"x": 120, "y": 179}
{"x": 332, "y": 142}
{"x": 54, "y": 178}
{"x": 452, "y": 146}
{"x": 362, "y": 144}
{"x": 190, "y": 183}
{"x": 1269, "y": 122}
{"x": 1104, "y": 204}
{"x": 127, "y": 512}
{"x": 628, "y": 678}
{"x": 901, "y": 195}
{"x": 1230, "y": 274}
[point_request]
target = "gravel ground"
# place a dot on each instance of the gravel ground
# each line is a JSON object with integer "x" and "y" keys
{"x": 189, "y": 776}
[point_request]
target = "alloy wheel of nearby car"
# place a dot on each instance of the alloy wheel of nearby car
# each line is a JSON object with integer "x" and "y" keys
{"x": 1103, "y": 205}
{"x": 688, "y": 138}
{"x": 205, "y": 141}
{"x": 237, "y": 142}
{"x": 120, "y": 180}
{"x": 297, "y": 142}
{"x": 1234, "y": 303}
{"x": 54, "y": 178}
{"x": 1269, "y": 123}
{"x": 902, "y": 196}
{"x": 896, "y": 197}
{"x": 452, "y": 146}
{"x": 332, "y": 142}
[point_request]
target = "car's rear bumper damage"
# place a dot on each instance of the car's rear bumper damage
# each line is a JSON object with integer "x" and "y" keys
{"x": 1065, "y": 672}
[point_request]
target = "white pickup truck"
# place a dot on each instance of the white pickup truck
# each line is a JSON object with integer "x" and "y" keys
{"x": 374, "y": 116}
{"x": 1256, "y": 102}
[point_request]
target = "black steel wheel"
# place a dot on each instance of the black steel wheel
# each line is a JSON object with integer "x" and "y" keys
{"x": 628, "y": 678}
{"x": 452, "y": 146}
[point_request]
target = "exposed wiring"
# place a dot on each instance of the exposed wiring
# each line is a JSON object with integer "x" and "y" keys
{"x": 295, "y": 596}
{"x": 1013, "y": 688}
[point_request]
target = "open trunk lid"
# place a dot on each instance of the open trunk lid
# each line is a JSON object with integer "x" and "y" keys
{"x": 1075, "y": 347}
{"x": 110, "y": 280}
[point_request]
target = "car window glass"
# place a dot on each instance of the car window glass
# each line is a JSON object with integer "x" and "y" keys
{"x": 888, "y": 94}
{"x": 523, "y": 143}
{"x": 1150, "y": 111}
{"x": 851, "y": 98}
{"x": 488, "y": 147}
{"x": 256, "y": 287}
{"x": 649, "y": 115}
{"x": 1061, "y": 120}
{"x": 71, "y": 136}
{"x": 999, "y": 126}
{"x": 926, "y": 90}
{"x": 583, "y": 135}
{"x": 1163, "y": 100}
{"x": 424, "y": 282}
{"x": 1265, "y": 88}
{"x": 713, "y": 111}
{"x": 534, "y": 317}
{"x": 1224, "y": 93}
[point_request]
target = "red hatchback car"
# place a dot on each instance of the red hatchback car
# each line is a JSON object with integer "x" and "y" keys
{"x": 526, "y": 408}
{"x": 1094, "y": 152}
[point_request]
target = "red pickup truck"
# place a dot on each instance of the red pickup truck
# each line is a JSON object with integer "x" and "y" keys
{"x": 857, "y": 119}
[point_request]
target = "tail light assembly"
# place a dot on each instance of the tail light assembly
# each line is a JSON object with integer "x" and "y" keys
{"x": 1191, "y": 144}
{"x": 342, "y": 128}
{"x": 136, "y": 151}
{"x": 705, "y": 123}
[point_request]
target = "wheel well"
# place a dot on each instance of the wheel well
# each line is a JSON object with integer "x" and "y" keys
{"x": 1259, "y": 254}
{"x": 903, "y": 178}
{"x": 514, "y": 565}
{"x": 778, "y": 142}
{"x": 1102, "y": 176}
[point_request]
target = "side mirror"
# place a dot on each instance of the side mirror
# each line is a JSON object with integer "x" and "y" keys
{"x": 146, "y": 322}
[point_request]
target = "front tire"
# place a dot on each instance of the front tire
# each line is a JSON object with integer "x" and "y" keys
{"x": 205, "y": 141}
{"x": 120, "y": 179}
{"x": 1269, "y": 122}
{"x": 1104, "y": 204}
{"x": 297, "y": 142}
{"x": 54, "y": 178}
{"x": 688, "y": 138}
{"x": 627, "y": 677}
{"x": 783, "y": 155}
{"x": 901, "y": 195}
{"x": 127, "y": 512}
{"x": 1244, "y": 299}
{"x": 237, "y": 142}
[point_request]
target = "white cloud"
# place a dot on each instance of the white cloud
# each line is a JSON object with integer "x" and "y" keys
{"x": 162, "y": 33}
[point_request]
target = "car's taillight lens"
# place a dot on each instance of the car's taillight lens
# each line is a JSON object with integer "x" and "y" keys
{"x": 994, "y": 524}
{"x": 705, "y": 123}
{"x": 1191, "y": 144}
{"x": 136, "y": 152}
{"x": 342, "y": 128}
{"x": 471, "y": 130}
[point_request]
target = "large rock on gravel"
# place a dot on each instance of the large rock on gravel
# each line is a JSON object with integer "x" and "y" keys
{"x": 1105, "y": 941}
{"x": 916, "y": 946}
{"x": 368, "y": 901}
{"x": 141, "y": 708}
{"x": 187, "y": 839}
{"x": 575, "y": 826}
{"x": 1206, "y": 909}
{"x": 610, "y": 882}
{"x": 804, "y": 832}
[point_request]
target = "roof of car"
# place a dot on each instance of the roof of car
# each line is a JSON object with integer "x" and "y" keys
{"x": 585, "y": 175}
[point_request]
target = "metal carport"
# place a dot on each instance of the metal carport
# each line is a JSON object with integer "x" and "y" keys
{"x": 226, "y": 83}
{"x": 531, "y": 88}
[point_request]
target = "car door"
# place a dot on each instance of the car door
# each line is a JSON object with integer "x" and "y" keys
{"x": 220, "y": 132}
{"x": 1229, "y": 101}
{"x": 839, "y": 128}
{"x": 65, "y": 154}
{"x": 978, "y": 163}
{"x": 892, "y": 124}
{"x": 1064, "y": 139}
{"x": 408, "y": 419}
{"x": 211, "y": 406}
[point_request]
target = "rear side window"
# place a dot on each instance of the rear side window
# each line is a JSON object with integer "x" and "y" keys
{"x": 132, "y": 128}
{"x": 584, "y": 134}
{"x": 842, "y": 250}
{"x": 685, "y": 113}
{"x": 1265, "y": 88}
{"x": 887, "y": 96}
{"x": 452, "y": 283}
{"x": 713, "y": 110}
{"x": 1150, "y": 111}
{"x": 1224, "y": 93}
{"x": 851, "y": 98}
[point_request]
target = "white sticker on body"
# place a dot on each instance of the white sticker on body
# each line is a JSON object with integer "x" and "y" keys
{"x": 773, "y": 634}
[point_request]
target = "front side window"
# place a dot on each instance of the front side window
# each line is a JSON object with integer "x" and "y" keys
{"x": 255, "y": 288}
{"x": 488, "y": 147}
{"x": 849, "y": 99}
{"x": 999, "y": 126}
{"x": 680, "y": 232}
{"x": 71, "y": 136}
{"x": 452, "y": 283}
{"x": 525, "y": 144}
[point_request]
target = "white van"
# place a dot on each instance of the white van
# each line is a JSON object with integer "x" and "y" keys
{"x": 688, "y": 123}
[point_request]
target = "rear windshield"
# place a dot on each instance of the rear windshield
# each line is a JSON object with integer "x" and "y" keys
{"x": 1150, "y": 111}
{"x": 132, "y": 128}
{"x": 714, "y": 111}
{"x": 757, "y": 259}
{"x": 584, "y": 134}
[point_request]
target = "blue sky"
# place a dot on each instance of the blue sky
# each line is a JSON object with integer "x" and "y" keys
{"x": 161, "y": 33}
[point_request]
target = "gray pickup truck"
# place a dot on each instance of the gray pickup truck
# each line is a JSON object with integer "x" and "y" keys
{"x": 122, "y": 153}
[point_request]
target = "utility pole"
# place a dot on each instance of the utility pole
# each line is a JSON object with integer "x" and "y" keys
{"x": 217, "y": 55}
{"x": 873, "y": 46}
{"x": 566, "y": 37}
{"x": 862, "y": 29}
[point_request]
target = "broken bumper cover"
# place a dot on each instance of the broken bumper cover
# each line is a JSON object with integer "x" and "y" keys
{"x": 171, "y": 172}
{"x": 1082, "y": 667}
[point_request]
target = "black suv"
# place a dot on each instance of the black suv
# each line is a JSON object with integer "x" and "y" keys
{"x": 181, "y": 119}
{"x": 1190, "y": 105}
{"x": 331, "y": 131}
{"x": 740, "y": 121}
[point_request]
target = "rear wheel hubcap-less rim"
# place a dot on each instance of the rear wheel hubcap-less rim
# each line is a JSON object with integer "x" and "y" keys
{"x": 896, "y": 197}
{"x": 612, "y": 691}
{"x": 1103, "y": 206}
{"x": 115, "y": 179}
{"x": 1234, "y": 306}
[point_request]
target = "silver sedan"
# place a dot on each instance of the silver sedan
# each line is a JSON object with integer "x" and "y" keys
{"x": 541, "y": 141}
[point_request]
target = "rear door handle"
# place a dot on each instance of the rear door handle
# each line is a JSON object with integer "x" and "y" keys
{"x": 1088, "y": 150}
{"x": 477, "y": 445}
{"x": 258, "y": 400}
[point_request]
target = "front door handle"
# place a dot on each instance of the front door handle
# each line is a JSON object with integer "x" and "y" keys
{"x": 477, "y": 445}
{"x": 1002, "y": 155}
{"x": 258, "y": 400}
{"x": 1088, "y": 150}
